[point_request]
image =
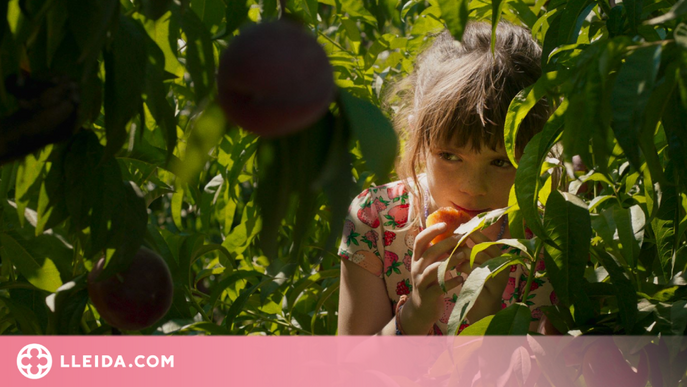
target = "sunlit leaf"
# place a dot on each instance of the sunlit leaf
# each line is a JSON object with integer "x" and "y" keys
{"x": 513, "y": 320}
{"x": 40, "y": 271}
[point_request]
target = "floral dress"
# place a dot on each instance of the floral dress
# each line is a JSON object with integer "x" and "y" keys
{"x": 377, "y": 236}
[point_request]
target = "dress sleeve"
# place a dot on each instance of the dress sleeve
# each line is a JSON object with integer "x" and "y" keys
{"x": 362, "y": 230}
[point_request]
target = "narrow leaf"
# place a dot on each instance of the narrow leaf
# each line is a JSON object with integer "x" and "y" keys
{"x": 568, "y": 224}
{"x": 632, "y": 89}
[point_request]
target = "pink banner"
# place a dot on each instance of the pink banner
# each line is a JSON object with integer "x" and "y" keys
{"x": 341, "y": 361}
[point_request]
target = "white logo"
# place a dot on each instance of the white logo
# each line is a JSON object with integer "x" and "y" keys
{"x": 34, "y": 361}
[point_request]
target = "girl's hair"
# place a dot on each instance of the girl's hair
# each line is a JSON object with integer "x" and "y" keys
{"x": 460, "y": 92}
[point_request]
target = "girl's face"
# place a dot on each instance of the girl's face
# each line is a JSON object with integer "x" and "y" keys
{"x": 469, "y": 181}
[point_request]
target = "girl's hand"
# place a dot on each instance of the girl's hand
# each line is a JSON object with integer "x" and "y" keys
{"x": 483, "y": 256}
{"x": 425, "y": 304}
{"x": 489, "y": 300}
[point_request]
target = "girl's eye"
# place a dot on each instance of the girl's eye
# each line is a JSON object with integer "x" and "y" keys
{"x": 448, "y": 156}
{"x": 503, "y": 163}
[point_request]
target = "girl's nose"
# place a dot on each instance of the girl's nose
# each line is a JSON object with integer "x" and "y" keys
{"x": 474, "y": 183}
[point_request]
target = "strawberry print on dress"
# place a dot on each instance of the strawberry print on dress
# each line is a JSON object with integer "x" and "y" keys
{"x": 371, "y": 237}
{"x": 403, "y": 287}
{"x": 389, "y": 237}
{"x": 397, "y": 216}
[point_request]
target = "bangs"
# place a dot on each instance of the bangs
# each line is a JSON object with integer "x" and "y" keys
{"x": 465, "y": 108}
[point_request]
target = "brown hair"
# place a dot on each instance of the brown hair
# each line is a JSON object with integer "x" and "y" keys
{"x": 460, "y": 92}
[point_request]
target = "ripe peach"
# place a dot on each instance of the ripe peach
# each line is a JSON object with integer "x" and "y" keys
{"x": 135, "y": 298}
{"x": 275, "y": 79}
{"x": 449, "y": 215}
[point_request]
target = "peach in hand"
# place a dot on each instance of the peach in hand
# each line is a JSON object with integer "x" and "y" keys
{"x": 449, "y": 215}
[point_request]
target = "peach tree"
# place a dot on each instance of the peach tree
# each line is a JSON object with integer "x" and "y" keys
{"x": 113, "y": 136}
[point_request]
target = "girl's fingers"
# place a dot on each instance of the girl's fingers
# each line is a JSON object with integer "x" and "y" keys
{"x": 421, "y": 246}
{"x": 440, "y": 252}
{"x": 430, "y": 278}
{"x": 454, "y": 282}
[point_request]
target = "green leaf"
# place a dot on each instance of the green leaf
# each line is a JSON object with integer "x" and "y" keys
{"x": 160, "y": 33}
{"x": 206, "y": 133}
{"x": 374, "y": 131}
{"x": 125, "y": 70}
{"x": 550, "y": 20}
{"x": 200, "y": 55}
{"x": 211, "y": 12}
{"x": 479, "y": 222}
{"x": 67, "y": 305}
{"x": 631, "y": 92}
{"x": 90, "y": 23}
{"x": 52, "y": 208}
{"x": 229, "y": 281}
{"x": 473, "y": 287}
{"x": 455, "y": 14}
{"x": 29, "y": 176}
{"x": 303, "y": 284}
{"x": 680, "y": 34}
{"x": 479, "y": 328}
{"x": 514, "y": 243}
{"x": 630, "y": 223}
{"x": 97, "y": 198}
{"x": 40, "y": 271}
{"x": 633, "y": 10}
{"x": 496, "y": 11}
{"x": 236, "y": 15}
{"x": 664, "y": 226}
{"x": 155, "y": 94}
{"x": 55, "y": 22}
{"x": 678, "y": 9}
{"x": 523, "y": 12}
{"x": 237, "y": 306}
{"x": 527, "y": 180}
{"x": 674, "y": 123}
{"x": 356, "y": 9}
{"x": 177, "y": 205}
{"x": 622, "y": 286}
{"x": 678, "y": 317}
{"x": 119, "y": 224}
{"x": 568, "y": 224}
{"x": 513, "y": 320}
{"x": 571, "y": 20}
{"x": 523, "y": 102}
{"x": 26, "y": 319}
{"x": 154, "y": 9}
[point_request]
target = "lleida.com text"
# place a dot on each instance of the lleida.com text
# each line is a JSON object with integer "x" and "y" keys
{"x": 107, "y": 361}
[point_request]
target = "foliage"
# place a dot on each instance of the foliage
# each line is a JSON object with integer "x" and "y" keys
{"x": 249, "y": 226}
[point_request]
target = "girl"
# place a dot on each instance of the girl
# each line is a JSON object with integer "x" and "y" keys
{"x": 452, "y": 114}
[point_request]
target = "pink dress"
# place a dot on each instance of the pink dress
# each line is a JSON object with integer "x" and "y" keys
{"x": 377, "y": 238}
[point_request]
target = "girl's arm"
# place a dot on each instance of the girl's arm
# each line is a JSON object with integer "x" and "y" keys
{"x": 364, "y": 307}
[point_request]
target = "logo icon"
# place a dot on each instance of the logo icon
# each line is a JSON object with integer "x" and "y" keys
{"x": 34, "y": 361}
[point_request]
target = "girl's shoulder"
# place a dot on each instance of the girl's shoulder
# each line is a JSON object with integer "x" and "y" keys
{"x": 395, "y": 191}
{"x": 390, "y": 202}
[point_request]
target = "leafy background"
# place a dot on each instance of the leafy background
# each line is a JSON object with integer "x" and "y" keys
{"x": 249, "y": 227}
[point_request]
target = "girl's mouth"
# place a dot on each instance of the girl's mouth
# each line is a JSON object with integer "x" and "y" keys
{"x": 470, "y": 211}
